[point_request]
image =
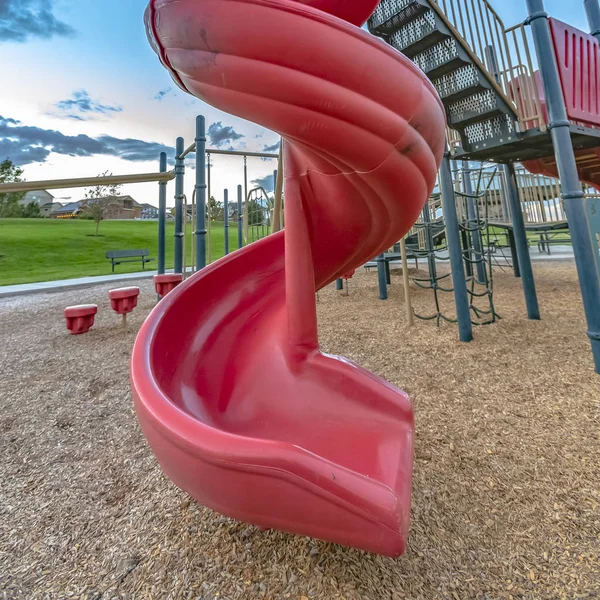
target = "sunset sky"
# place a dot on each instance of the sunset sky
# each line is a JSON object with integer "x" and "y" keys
{"x": 82, "y": 93}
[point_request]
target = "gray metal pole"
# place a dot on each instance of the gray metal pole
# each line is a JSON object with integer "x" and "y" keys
{"x": 179, "y": 193}
{"x": 246, "y": 211}
{"x": 474, "y": 222}
{"x": 201, "y": 231}
{"x": 382, "y": 277}
{"x": 339, "y": 284}
{"x": 226, "y": 219}
{"x": 273, "y": 211}
{"x": 592, "y": 10}
{"x": 162, "y": 215}
{"x": 520, "y": 238}
{"x": 459, "y": 282}
{"x": 240, "y": 208}
{"x": 572, "y": 194}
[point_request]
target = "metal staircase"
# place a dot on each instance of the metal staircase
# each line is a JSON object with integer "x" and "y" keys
{"x": 463, "y": 48}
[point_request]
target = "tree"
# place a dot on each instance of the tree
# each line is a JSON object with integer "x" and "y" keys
{"x": 259, "y": 211}
{"x": 216, "y": 209}
{"x": 98, "y": 199}
{"x": 30, "y": 211}
{"x": 9, "y": 203}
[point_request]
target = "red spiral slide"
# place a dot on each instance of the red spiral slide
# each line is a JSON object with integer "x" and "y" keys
{"x": 241, "y": 408}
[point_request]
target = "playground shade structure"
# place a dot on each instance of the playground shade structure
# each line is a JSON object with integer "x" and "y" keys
{"x": 241, "y": 408}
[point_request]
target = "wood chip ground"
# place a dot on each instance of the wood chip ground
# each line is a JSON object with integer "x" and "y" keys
{"x": 506, "y": 498}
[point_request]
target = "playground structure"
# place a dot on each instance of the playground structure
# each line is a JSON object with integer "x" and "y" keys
{"x": 507, "y": 106}
{"x": 507, "y": 198}
{"x": 496, "y": 112}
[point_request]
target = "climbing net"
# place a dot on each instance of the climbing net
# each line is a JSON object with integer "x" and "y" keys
{"x": 477, "y": 248}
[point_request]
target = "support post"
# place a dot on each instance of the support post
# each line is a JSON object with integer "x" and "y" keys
{"x": 179, "y": 187}
{"x": 382, "y": 277}
{"x": 510, "y": 234}
{"x": 473, "y": 220}
{"x": 240, "y": 208}
{"x": 273, "y": 215}
{"x": 429, "y": 243}
{"x": 246, "y": 211}
{"x": 200, "y": 193}
{"x": 162, "y": 215}
{"x": 407, "y": 299}
{"x": 592, "y": 10}
{"x": 226, "y": 219}
{"x": 459, "y": 282}
{"x": 520, "y": 240}
{"x": 339, "y": 284}
{"x": 278, "y": 207}
{"x": 572, "y": 194}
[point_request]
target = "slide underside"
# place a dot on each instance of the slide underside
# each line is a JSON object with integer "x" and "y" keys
{"x": 241, "y": 408}
{"x": 588, "y": 166}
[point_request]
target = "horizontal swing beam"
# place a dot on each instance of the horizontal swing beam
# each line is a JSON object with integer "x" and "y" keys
{"x": 56, "y": 184}
{"x": 192, "y": 148}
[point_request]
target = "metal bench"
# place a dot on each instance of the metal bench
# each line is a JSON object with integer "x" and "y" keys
{"x": 552, "y": 238}
{"x": 118, "y": 257}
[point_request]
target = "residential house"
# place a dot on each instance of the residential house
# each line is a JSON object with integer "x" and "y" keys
{"x": 122, "y": 207}
{"x": 43, "y": 199}
{"x": 149, "y": 211}
{"x": 116, "y": 208}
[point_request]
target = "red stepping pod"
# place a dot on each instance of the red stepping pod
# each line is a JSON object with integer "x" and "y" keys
{"x": 167, "y": 283}
{"x": 124, "y": 300}
{"x": 80, "y": 319}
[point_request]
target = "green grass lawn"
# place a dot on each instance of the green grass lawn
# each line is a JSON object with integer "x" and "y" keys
{"x": 532, "y": 236}
{"x": 33, "y": 250}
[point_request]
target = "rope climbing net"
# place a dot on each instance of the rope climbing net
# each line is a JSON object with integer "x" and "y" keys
{"x": 477, "y": 247}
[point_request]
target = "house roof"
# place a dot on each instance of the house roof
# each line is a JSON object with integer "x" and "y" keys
{"x": 33, "y": 193}
{"x": 121, "y": 199}
{"x": 70, "y": 207}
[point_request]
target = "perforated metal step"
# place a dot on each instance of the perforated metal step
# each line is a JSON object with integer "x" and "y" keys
{"x": 498, "y": 130}
{"x": 441, "y": 59}
{"x": 390, "y": 15}
{"x": 477, "y": 107}
{"x": 463, "y": 82}
{"x": 418, "y": 35}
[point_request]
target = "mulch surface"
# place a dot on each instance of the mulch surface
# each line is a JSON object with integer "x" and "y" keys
{"x": 506, "y": 496}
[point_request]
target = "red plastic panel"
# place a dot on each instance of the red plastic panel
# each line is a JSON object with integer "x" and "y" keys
{"x": 578, "y": 56}
{"x": 240, "y": 406}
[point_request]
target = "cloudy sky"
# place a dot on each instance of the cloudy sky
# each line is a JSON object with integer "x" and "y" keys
{"x": 83, "y": 93}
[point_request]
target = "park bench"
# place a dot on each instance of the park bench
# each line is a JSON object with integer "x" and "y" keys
{"x": 553, "y": 238}
{"x": 118, "y": 257}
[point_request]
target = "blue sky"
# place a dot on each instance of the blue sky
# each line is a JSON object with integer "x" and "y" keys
{"x": 84, "y": 68}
